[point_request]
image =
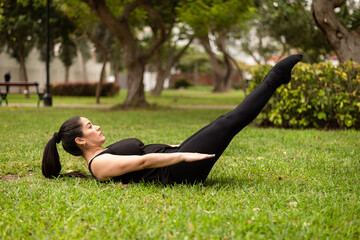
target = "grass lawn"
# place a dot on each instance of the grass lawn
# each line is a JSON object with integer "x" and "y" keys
{"x": 269, "y": 184}
{"x": 194, "y": 95}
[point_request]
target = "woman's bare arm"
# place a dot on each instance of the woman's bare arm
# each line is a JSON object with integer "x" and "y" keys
{"x": 107, "y": 166}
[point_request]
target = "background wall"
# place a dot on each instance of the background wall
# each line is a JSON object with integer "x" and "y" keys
{"x": 36, "y": 70}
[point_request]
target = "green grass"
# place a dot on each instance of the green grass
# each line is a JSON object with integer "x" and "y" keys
{"x": 269, "y": 184}
{"x": 194, "y": 95}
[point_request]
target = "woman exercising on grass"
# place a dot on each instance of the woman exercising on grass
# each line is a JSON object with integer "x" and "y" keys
{"x": 131, "y": 160}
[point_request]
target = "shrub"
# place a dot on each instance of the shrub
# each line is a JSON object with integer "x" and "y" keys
{"x": 84, "y": 89}
{"x": 319, "y": 95}
{"x": 182, "y": 83}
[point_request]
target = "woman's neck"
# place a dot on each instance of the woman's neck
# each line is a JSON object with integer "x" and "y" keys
{"x": 91, "y": 153}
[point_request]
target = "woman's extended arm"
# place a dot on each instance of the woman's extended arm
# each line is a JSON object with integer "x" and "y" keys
{"x": 107, "y": 166}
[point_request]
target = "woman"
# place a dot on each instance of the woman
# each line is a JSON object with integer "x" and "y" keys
{"x": 131, "y": 160}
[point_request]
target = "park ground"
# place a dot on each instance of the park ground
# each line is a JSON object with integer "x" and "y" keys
{"x": 270, "y": 183}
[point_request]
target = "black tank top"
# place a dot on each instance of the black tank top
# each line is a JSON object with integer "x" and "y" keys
{"x": 133, "y": 146}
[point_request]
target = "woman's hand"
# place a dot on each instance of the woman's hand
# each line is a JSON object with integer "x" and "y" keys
{"x": 192, "y": 157}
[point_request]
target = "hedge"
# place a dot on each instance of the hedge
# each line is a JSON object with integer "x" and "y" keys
{"x": 182, "y": 83}
{"x": 84, "y": 89}
{"x": 319, "y": 95}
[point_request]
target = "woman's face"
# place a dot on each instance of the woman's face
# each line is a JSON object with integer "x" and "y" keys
{"x": 92, "y": 134}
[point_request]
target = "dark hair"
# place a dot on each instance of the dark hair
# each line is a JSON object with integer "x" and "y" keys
{"x": 68, "y": 131}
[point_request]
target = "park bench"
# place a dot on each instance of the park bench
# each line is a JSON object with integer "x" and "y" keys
{"x": 19, "y": 84}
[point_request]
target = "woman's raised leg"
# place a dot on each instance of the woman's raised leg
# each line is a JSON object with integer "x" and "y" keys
{"x": 215, "y": 137}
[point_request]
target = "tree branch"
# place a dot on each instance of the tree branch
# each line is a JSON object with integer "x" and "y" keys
{"x": 220, "y": 44}
{"x": 338, "y": 3}
{"x": 181, "y": 52}
{"x": 120, "y": 29}
{"x": 128, "y": 9}
{"x": 340, "y": 39}
{"x": 158, "y": 41}
{"x": 97, "y": 43}
{"x": 205, "y": 42}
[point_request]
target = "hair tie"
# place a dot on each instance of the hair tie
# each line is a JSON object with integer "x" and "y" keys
{"x": 56, "y": 137}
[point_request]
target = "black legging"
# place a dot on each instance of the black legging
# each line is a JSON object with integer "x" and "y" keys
{"x": 215, "y": 137}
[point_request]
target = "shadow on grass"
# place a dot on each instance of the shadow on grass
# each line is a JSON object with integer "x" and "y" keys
{"x": 9, "y": 177}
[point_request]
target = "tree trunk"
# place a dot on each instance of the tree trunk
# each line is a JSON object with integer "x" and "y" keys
{"x": 160, "y": 80}
{"x": 136, "y": 93}
{"x": 104, "y": 53}
{"x": 217, "y": 67}
{"x": 164, "y": 71}
{"x": 23, "y": 72}
{"x": 135, "y": 59}
{"x": 115, "y": 67}
{"x": 67, "y": 70}
{"x": 221, "y": 44}
{"x": 345, "y": 44}
{"x": 83, "y": 65}
{"x": 160, "y": 74}
{"x": 101, "y": 80}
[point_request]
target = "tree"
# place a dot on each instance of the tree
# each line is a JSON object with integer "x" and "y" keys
{"x": 61, "y": 31}
{"x": 67, "y": 53}
{"x": 84, "y": 21}
{"x": 283, "y": 26}
{"x": 22, "y": 28}
{"x": 120, "y": 21}
{"x": 96, "y": 32}
{"x": 165, "y": 58}
{"x": 256, "y": 43}
{"x": 194, "y": 61}
{"x": 82, "y": 51}
{"x": 344, "y": 40}
{"x": 217, "y": 19}
{"x": 18, "y": 28}
{"x": 116, "y": 62}
{"x": 105, "y": 44}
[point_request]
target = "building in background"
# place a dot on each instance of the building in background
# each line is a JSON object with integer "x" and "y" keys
{"x": 36, "y": 70}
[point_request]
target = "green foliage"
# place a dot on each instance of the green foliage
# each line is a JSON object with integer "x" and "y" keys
{"x": 182, "y": 83}
{"x": 291, "y": 25}
{"x": 215, "y": 16}
{"x": 61, "y": 29}
{"x": 194, "y": 61}
{"x": 19, "y": 27}
{"x": 79, "y": 13}
{"x": 67, "y": 53}
{"x": 84, "y": 89}
{"x": 23, "y": 27}
{"x": 349, "y": 15}
{"x": 319, "y": 95}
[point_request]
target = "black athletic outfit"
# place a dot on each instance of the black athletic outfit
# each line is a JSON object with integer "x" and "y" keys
{"x": 211, "y": 139}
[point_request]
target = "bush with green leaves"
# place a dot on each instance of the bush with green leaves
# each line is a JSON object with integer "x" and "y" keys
{"x": 182, "y": 83}
{"x": 319, "y": 95}
{"x": 84, "y": 89}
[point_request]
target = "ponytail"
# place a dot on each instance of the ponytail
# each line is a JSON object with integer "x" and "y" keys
{"x": 51, "y": 161}
{"x": 69, "y": 130}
